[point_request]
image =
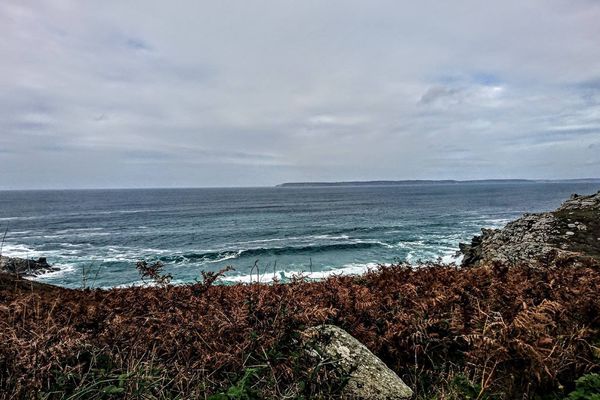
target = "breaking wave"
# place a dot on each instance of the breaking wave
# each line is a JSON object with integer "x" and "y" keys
{"x": 217, "y": 256}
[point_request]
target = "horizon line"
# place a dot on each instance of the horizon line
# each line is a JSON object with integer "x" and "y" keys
{"x": 380, "y": 182}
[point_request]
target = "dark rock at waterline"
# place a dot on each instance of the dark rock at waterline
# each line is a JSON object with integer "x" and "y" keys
{"x": 571, "y": 232}
{"x": 25, "y": 267}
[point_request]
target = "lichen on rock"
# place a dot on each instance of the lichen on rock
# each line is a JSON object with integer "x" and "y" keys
{"x": 368, "y": 376}
{"x": 545, "y": 238}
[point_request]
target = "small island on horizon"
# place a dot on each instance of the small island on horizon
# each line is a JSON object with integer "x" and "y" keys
{"x": 432, "y": 182}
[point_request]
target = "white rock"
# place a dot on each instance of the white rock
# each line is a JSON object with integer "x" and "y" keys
{"x": 369, "y": 377}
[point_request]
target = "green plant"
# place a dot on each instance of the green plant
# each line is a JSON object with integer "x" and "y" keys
{"x": 241, "y": 390}
{"x": 586, "y": 388}
{"x": 464, "y": 388}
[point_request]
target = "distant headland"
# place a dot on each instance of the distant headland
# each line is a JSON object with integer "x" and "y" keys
{"x": 432, "y": 182}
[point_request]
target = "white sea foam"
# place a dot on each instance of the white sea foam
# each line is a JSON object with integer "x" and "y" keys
{"x": 293, "y": 238}
{"x": 12, "y": 233}
{"x": 283, "y": 275}
{"x": 224, "y": 258}
{"x": 71, "y": 230}
{"x": 257, "y": 241}
{"x": 18, "y": 250}
{"x": 64, "y": 269}
{"x": 411, "y": 257}
{"x": 131, "y": 284}
{"x": 433, "y": 255}
{"x": 377, "y": 242}
{"x": 73, "y": 234}
{"x": 19, "y": 218}
{"x": 331, "y": 237}
{"x": 452, "y": 259}
{"x": 75, "y": 245}
{"x": 143, "y": 283}
{"x": 110, "y": 259}
{"x": 496, "y": 222}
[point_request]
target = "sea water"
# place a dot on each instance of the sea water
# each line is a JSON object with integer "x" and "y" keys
{"x": 97, "y": 236}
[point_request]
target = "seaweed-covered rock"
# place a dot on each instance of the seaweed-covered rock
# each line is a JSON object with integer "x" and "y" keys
{"x": 25, "y": 267}
{"x": 368, "y": 376}
{"x": 572, "y": 232}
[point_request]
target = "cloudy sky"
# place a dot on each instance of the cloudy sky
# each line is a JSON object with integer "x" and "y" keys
{"x": 245, "y": 93}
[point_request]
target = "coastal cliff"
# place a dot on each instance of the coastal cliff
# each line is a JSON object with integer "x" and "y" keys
{"x": 570, "y": 234}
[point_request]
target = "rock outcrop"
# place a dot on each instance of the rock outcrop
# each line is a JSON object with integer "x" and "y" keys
{"x": 25, "y": 267}
{"x": 368, "y": 376}
{"x": 572, "y": 232}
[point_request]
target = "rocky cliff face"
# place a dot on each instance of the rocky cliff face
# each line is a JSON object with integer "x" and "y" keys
{"x": 572, "y": 232}
{"x": 25, "y": 267}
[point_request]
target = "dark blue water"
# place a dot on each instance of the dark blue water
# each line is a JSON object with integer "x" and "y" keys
{"x": 331, "y": 229}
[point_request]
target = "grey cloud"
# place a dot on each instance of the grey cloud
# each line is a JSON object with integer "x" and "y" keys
{"x": 137, "y": 44}
{"x": 438, "y": 92}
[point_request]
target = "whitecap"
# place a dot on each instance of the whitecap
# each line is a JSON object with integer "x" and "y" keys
{"x": 18, "y": 250}
{"x": 495, "y": 222}
{"x": 293, "y": 238}
{"x": 143, "y": 283}
{"x": 64, "y": 269}
{"x": 285, "y": 275}
{"x": 448, "y": 259}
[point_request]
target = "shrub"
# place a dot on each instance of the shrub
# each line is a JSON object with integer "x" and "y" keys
{"x": 586, "y": 388}
{"x": 515, "y": 332}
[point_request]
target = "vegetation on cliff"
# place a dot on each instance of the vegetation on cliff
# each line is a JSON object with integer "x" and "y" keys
{"x": 564, "y": 236}
{"x": 487, "y": 332}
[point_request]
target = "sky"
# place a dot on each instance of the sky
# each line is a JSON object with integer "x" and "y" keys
{"x": 112, "y": 93}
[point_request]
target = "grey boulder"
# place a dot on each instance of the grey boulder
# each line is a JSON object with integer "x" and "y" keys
{"x": 369, "y": 377}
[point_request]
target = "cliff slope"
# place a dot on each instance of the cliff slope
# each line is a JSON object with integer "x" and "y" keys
{"x": 569, "y": 234}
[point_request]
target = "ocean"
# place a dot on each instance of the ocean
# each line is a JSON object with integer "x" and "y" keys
{"x": 314, "y": 231}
